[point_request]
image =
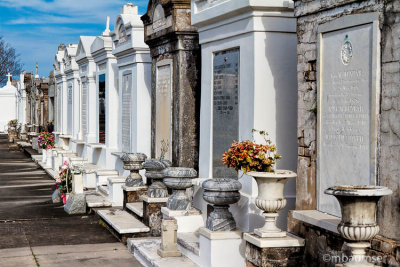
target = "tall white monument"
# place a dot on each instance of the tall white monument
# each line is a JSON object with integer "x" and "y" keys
{"x": 8, "y": 104}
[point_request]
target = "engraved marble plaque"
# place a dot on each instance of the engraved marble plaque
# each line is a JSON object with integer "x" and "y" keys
{"x": 84, "y": 108}
{"x": 126, "y": 112}
{"x": 69, "y": 110}
{"x": 225, "y": 108}
{"x": 346, "y": 110}
{"x": 163, "y": 112}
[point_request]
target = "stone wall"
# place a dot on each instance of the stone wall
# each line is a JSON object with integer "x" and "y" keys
{"x": 310, "y": 14}
{"x": 324, "y": 248}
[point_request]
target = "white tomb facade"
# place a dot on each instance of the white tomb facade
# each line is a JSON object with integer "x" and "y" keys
{"x": 21, "y": 102}
{"x": 134, "y": 82}
{"x": 8, "y": 104}
{"x": 107, "y": 103}
{"x": 88, "y": 105}
{"x": 248, "y": 82}
{"x": 61, "y": 117}
{"x": 73, "y": 91}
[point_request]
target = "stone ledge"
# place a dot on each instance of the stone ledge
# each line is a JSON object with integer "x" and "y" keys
{"x": 79, "y": 142}
{"x": 97, "y": 145}
{"x": 173, "y": 213}
{"x": 122, "y": 222}
{"x": 274, "y": 242}
{"x": 148, "y": 199}
{"x": 317, "y": 218}
{"x": 135, "y": 207}
{"x": 116, "y": 180}
{"x": 133, "y": 188}
{"x": 219, "y": 235}
{"x": 66, "y": 136}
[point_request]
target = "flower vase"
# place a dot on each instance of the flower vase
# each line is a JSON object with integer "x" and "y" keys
{"x": 44, "y": 156}
{"x": 270, "y": 199}
{"x": 48, "y": 157}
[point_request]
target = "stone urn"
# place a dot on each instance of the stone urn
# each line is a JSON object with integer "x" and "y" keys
{"x": 49, "y": 154}
{"x": 154, "y": 172}
{"x": 44, "y": 156}
{"x": 358, "y": 226}
{"x": 179, "y": 179}
{"x": 270, "y": 199}
{"x": 133, "y": 163}
{"x": 221, "y": 192}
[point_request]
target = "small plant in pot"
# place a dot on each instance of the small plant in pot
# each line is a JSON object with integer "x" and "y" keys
{"x": 258, "y": 161}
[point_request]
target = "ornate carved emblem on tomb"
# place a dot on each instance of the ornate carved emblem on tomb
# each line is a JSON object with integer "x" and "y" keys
{"x": 347, "y": 51}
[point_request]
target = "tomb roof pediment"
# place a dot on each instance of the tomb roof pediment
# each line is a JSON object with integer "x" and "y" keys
{"x": 83, "y": 49}
{"x": 101, "y": 43}
{"x": 166, "y": 16}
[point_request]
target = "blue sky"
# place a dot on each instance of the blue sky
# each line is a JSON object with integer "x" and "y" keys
{"x": 35, "y": 28}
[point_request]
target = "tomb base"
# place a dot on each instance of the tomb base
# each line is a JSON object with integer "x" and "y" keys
{"x": 152, "y": 216}
{"x": 188, "y": 221}
{"x": 76, "y": 204}
{"x": 274, "y": 251}
{"x": 220, "y": 248}
{"x": 133, "y": 194}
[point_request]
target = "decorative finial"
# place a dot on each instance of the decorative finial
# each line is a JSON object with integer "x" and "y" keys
{"x": 36, "y": 73}
{"x": 9, "y": 78}
{"x": 107, "y": 30}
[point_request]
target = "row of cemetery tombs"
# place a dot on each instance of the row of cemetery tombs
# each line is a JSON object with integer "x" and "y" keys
{"x": 144, "y": 113}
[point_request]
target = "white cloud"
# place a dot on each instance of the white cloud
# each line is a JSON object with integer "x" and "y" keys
{"x": 65, "y": 11}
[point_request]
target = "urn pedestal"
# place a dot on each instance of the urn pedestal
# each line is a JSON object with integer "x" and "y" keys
{"x": 179, "y": 179}
{"x": 44, "y": 156}
{"x": 154, "y": 172}
{"x": 270, "y": 199}
{"x": 221, "y": 192}
{"x": 133, "y": 163}
{"x": 358, "y": 225}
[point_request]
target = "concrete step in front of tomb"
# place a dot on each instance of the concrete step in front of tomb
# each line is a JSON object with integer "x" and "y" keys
{"x": 145, "y": 251}
{"x": 190, "y": 242}
{"x": 52, "y": 173}
{"x": 95, "y": 200}
{"x": 136, "y": 208}
{"x": 103, "y": 190}
{"x": 122, "y": 224}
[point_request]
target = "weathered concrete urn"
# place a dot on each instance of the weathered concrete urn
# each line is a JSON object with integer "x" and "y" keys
{"x": 154, "y": 172}
{"x": 270, "y": 199}
{"x": 133, "y": 163}
{"x": 358, "y": 205}
{"x": 49, "y": 154}
{"x": 179, "y": 179}
{"x": 221, "y": 192}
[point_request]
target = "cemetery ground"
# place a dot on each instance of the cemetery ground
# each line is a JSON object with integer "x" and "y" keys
{"x": 36, "y": 232}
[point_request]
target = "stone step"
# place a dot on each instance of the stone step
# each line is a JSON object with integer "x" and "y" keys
{"x": 97, "y": 201}
{"x": 136, "y": 207}
{"x": 145, "y": 251}
{"x": 122, "y": 222}
{"x": 189, "y": 241}
{"x": 103, "y": 190}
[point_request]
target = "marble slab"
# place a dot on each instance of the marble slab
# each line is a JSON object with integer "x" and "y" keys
{"x": 135, "y": 207}
{"x": 122, "y": 221}
{"x": 274, "y": 242}
{"x": 347, "y": 107}
{"x": 97, "y": 201}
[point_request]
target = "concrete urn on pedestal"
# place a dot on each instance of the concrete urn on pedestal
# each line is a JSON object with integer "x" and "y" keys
{"x": 270, "y": 199}
{"x": 133, "y": 163}
{"x": 154, "y": 172}
{"x": 221, "y": 192}
{"x": 358, "y": 225}
{"x": 179, "y": 179}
